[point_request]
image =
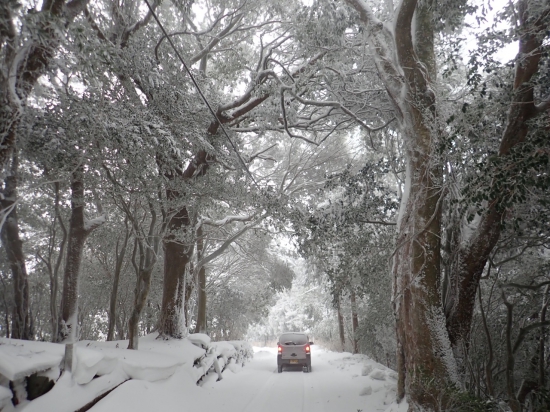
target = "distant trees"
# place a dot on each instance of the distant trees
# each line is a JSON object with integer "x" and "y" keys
{"x": 347, "y": 235}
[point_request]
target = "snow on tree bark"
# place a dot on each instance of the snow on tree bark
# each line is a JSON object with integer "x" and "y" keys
{"x": 79, "y": 229}
{"x": 177, "y": 254}
{"x": 25, "y": 62}
{"x": 9, "y": 227}
{"x": 424, "y": 348}
{"x": 144, "y": 258}
{"x": 120, "y": 252}
{"x": 340, "y": 318}
{"x": 201, "y": 285}
{"x": 354, "y": 320}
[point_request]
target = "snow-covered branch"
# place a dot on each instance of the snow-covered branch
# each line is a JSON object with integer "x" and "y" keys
{"x": 229, "y": 241}
{"x": 91, "y": 224}
{"x": 219, "y": 37}
{"x": 226, "y": 220}
{"x": 139, "y": 24}
{"x": 381, "y": 43}
{"x": 403, "y": 34}
{"x": 377, "y": 222}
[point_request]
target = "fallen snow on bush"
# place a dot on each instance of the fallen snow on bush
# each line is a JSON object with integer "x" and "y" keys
{"x": 99, "y": 367}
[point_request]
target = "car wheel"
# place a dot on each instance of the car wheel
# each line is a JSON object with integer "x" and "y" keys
{"x": 280, "y": 368}
{"x": 309, "y": 367}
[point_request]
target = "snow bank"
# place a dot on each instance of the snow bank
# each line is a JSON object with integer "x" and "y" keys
{"x": 199, "y": 339}
{"x": 90, "y": 363}
{"x": 378, "y": 375}
{"x": 5, "y": 397}
{"x": 23, "y": 358}
{"x": 68, "y": 396}
{"x": 99, "y": 367}
{"x": 401, "y": 407}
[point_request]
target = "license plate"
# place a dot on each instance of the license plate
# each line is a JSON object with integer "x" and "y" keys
{"x": 293, "y": 361}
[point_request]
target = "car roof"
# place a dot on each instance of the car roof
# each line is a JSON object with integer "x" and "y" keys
{"x": 293, "y": 335}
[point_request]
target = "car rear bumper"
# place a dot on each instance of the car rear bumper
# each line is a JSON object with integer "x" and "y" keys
{"x": 301, "y": 361}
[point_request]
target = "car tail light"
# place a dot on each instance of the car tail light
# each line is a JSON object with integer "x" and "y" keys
{"x": 279, "y": 349}
{"x": 307, "y": 348}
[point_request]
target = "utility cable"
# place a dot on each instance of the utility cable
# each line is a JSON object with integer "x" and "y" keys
{"x": 200, "y": 91}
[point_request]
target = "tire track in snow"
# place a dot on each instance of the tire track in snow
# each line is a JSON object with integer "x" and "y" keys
{"x": 250, "y": 405}
{"x": 334, "y": 385}
{"x": 281, "y": 392}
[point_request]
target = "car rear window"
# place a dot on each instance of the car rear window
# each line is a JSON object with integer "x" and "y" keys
{"x": 293, "y": 339}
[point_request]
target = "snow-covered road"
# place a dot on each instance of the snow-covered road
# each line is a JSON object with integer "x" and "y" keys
{"x": 339, "y": 382}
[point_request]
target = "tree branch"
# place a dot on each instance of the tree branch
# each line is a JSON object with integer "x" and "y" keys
{"x": 220, "y": 36}
{"x": 523, "y": 332}
{"x": 229, "y": 241}
{"x": 377, "y": 222}
{"x": 379, "y": 39}
{"x": 225, "y": 221}
{"x": 139, "y": 24}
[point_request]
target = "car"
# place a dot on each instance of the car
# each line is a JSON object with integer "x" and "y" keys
{"x": 294, "y": 348}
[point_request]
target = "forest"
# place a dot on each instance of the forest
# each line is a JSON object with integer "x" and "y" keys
{"x": 376, "y": 172}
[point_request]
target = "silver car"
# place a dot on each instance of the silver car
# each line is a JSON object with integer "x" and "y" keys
{"x": 294, "y": 348}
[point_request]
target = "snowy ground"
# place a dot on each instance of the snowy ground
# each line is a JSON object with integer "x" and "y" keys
{"x": 339, "y": 382}
{"x": 163, "y": 375}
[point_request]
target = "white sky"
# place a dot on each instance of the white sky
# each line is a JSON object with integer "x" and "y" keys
{"x": 493, "y": 7}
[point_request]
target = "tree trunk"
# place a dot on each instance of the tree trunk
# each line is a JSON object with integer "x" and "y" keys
{"x": 510, "y": 358}
{"x": 176, "y": 258}
{"x": 140, "y": 298}
{"x": 354, "y": 321}
{"x": 201, "y": 313}
{"x": 6, "y": 308}
{"x": 54, "y": 272}
{"x": 116, "y": 277}
{"x": 112, "y": 307}
{"x": 144, "y": 270}
{"x": 189, "y": 282}
{"x": 76, "y": 238}
{"x": 120, "y": 328}
{"x": 473, "y": 257}
{"x": 424, "y": 351}
{"x": 53, "y": 262}
{"x": 340, "y": 324}
{"x": 542, "y": 339}
{"x": 178, "y": 252}
{"x": 144, "y": 264}
{"x": 201, "y": 284}
{"x": 25, "y": 61}
{"x": 14, "y": 251}
{"x": 78, "y": 232}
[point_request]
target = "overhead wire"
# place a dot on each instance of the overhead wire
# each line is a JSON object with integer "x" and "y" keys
{"x": 200, "y": 92}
